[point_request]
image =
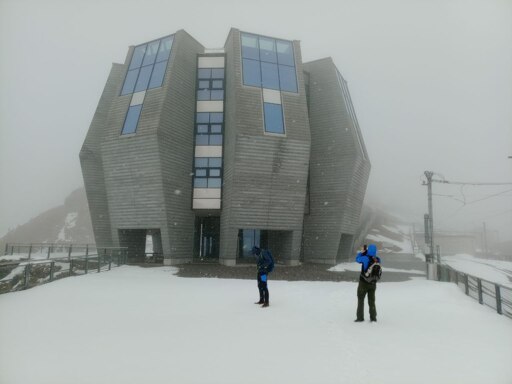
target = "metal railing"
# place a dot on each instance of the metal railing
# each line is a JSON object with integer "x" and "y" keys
{"x": 29, "y": 251}
{"x": 15, "y": 276}
{"x": 488, "y": 293}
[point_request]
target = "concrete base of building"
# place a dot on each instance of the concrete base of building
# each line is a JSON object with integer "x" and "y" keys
{"x": 227, "y": 262}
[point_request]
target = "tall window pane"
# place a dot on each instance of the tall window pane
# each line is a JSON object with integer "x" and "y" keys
{"x": 252, "y": 75}
{"x": 217, "y": 73}
{"x": 267, "y": 50}
{"x": 273, "y": 118}
{"x": 216, "y": 117}
{"x": 165, "y": 49}
{"x": 129, "y": 82}
{"x": 250, "y": 49}
{"x": 143, "y": 80}
{"x": 204, "y": 73}
{"x": 158, "y": 75}
{"x": 202, "y": 117}
{"x": 151, "y": 52}
{"x": 132, "y": 119}
{"x": 287, "y": 78}
{"x": 269, "y": 76}
{"x": 138, "y": 55}
{"x": 285, "y": 53}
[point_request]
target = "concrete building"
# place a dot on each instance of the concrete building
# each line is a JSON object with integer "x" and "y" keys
{"x": 213, "y": 151}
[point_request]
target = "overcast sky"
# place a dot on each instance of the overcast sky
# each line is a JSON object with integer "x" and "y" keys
{"x": 431, "y": 82}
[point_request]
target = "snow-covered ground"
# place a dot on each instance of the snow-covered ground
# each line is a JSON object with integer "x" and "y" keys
{"x": 146, "y": 325}
{"x": 496, "y": 271}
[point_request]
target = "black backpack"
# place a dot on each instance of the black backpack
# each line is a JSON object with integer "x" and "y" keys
{"x": 268, "y": 260}
{"x": 373, "y": 273}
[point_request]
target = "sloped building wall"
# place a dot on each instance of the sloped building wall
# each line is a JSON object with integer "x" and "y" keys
{"x": 339, "y": 167}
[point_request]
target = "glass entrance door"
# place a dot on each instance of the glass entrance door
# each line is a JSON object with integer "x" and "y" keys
{"x": 207, "y": 237}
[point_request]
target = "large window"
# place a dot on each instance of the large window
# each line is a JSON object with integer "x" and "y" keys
{"x": 268, "y": 63}
{"x": 209, "y": 128}
{"x": 273, "y": 118}
{"x": 147, "y": 66}
{"x": 132, "y": 119}
{"x": 210, "y": 84}
{"x": 207, "y": 172}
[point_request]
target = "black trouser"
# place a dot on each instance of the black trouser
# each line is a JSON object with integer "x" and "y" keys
{"x": 363, "y": 288}
{"x": 262, "y": 287}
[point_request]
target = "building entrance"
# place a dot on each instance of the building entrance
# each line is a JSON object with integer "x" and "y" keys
{"x": 136, "y": 240}
{"x": 207, "y": 238}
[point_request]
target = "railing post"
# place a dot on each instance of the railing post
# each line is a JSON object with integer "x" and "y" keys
{"x": 6, "y": 248}
{"x": 86, "y": 263}
{"x": 29, "y": 251}
{"x": 99, "y": 262}
{"x": 49, "y": 250}
{"x": 118, "y": 257}
{"x": 86, "y": 249}
{"x": 457, "y": 278}
{"x": 27, "y": 275}
{"x": 12, "y": 249}
{"x": 110, "y": 261}
{"x": 52, "y": 267}
{"x": 71, "y": 267}
{"x": 466, "y": 282}
{"x": 498, "y": 299}
{"x": 480, "y": 295}
{"x": 69, "y": 250}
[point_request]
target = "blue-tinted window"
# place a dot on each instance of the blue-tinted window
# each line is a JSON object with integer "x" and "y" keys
{"x": 214, "y": 182}
{"x": 165, "y": 49}
{"x": 287, "y": 79}
{"x": 285, "y": 52}
{"x": 200, "y": 172}
{"x": 204, "y": 73}
{"x": 150, "y": 58}
{"x": 143, "y": 80}
{"x": 215, "y": 172}
{"x": 203, "y": 117}
{"x": 216, "y": 128}
{"x": 200, "y": 182}
{"x": 217, "y": 73}
{"x": 273, "y": 118}
{"x": 203, "y": 94}
{"x": 132, "y": 119}
{"x": 201, "y": 162}
{"x": 201, "y": 139}
{"x": 268, "y": 50}
{"x": 215, "y": 139}
{"x": 158, "y": 75}
{"x": 217, "y": 84}
{"x": 138, "y": 55}
{"x": 269, "y": 76}
{"x": 129, "y": 82}
{"x": 216, "y": 117}
{"x": 151, "y": 52}
{"x": 215, "y": 162}
{"x": 261, "y": 57}
{"x": 250, "y": 49}
{"x": 217, "y": 95}
{"x": 252, "y": 74}
{"x": 202, "y": 128}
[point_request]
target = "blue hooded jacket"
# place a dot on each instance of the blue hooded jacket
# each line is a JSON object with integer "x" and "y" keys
{"x": 365, "y": 259}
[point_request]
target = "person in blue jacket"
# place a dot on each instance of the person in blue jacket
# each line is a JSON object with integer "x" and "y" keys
{"x": 262, "y": 266}
{"x": 366, "y": 258}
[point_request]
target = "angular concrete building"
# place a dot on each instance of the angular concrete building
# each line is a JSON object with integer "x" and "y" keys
{"x": 212, "y": 151}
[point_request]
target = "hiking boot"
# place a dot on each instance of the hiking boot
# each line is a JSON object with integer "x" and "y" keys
{"x": 259, "y": 302}
{"x": 265, "y": 305}
{"x": 373, "y": 320}
{"x": 358, "y": 320}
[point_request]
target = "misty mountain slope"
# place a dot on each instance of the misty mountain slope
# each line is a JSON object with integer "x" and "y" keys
{"x": 387, "y": 232}
{"x": 68, "y": 223}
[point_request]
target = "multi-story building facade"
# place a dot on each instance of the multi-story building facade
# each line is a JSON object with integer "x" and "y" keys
{"x": 214, "y": 151}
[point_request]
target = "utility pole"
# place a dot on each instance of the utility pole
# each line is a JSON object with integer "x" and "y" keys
{"x": 429, "y": 175}
{"x": 486, "y": 252}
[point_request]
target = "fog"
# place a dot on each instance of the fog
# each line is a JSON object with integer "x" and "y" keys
{"x": 431, "y": 83}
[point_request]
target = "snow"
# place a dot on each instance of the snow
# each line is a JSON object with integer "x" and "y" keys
{"x": 154, "y": 327}
{"x": 495, "y": 271}
{"x": 356, "y": 267}
{"x": 402, "y": 230}
{"x": 69, "y": 223}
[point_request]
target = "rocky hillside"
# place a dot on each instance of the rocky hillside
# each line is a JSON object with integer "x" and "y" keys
{"x": 68, "y": 223}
